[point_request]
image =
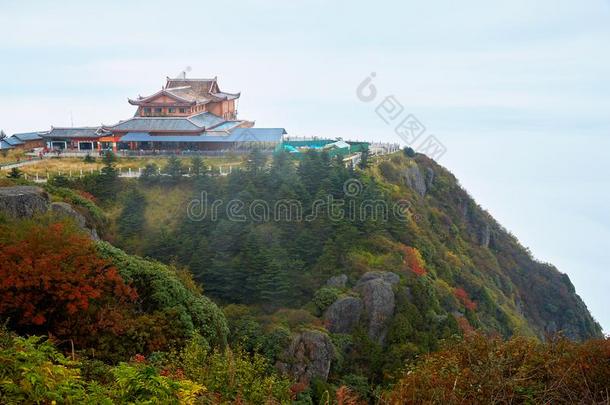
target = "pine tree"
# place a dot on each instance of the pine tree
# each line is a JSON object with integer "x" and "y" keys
{"x": 15, "y": 173}
{"x": 150, "y": 174}
{"x": 197, "y": 166}
{"x": 256, "y": 161}
{"x": 174, "y": 169}
{"x": 131, "y": 220}
{"x": 107, "y": 183}
{"x": 364, "y": 160}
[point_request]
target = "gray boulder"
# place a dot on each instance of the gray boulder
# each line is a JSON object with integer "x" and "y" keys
{"x": 388, "y": 277}
{"x": 379, "y": 302}
{"x": 309, "y": 355}
{"x": 28, "y": 201}
{"x": 343, "y": 315}
{"x": 339, "y": 281}
{"x": 62, "y": 209}
{"x": 23, "y": 201}
{"x": 414, "y": 178}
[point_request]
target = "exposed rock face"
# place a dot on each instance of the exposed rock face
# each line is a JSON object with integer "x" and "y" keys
{"x": 429, "y": 177}
{"x": 63, "y": 209}
{"x": 414, "y": 179}
{"x": 339, "y": 281}
{"x": 343, "y": 315}
{"x": 485, "y": 235}
{"x": 23, "y": 201}
{"x": 379, "y": 302}
{"x": 388, "y": 277}
{"x": 27, "y": 201}
{"x": 309, "y": 355}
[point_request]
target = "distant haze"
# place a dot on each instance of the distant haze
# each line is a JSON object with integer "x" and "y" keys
{"x": 518, "y": 91}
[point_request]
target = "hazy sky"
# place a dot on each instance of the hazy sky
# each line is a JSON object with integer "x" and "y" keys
{"x": 518, "y": 92}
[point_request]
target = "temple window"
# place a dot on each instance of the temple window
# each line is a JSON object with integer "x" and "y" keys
{"x": 182, "y": 110}
{"x": 158, "y": 110}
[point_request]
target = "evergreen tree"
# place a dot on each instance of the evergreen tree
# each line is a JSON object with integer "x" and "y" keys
{"x": 174, "y": 169}
{"x": 15, "y": 173}
{"x": 256, "y": 161}
{"x": 131, "y": 220}
{"x": 364, "y": 160}
{"x": 150, "y": 174}
{"x": 197, "y": 166}
{"x": 408, "y": 151}
{"x": 106, "y": 184}
{"x": 273, "y": 283}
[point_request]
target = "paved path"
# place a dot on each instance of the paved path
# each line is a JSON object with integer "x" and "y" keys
{"x": 25, "y": 162}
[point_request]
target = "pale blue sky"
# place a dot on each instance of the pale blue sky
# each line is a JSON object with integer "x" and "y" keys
{"x": 518, "y": 91}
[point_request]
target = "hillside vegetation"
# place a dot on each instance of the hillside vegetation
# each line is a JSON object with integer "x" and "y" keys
{"x": 325, "y": 284}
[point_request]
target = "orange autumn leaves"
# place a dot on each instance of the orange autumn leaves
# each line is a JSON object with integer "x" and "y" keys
{"x": 49, "y": 273}
{"x": 412, "y": 260}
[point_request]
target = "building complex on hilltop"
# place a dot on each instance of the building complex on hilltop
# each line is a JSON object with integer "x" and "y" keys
{"x": 185, "y": 115}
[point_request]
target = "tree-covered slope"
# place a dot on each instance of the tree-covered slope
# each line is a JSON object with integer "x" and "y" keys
{"x": 472, "y": 269}
{"x": 493, "y": 259}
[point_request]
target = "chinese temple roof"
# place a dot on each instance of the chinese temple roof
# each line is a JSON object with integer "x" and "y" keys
{"x": 189, "y": 91}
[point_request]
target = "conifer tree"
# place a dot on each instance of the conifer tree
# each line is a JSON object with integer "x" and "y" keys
{"x": 197, "y": 166}
{"x": 174, "y": 169}
{"x": 131, "y": 220}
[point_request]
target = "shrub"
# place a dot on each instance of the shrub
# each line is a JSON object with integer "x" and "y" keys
{"x": 52, "y": 276}
{"x": 233, "y": 376}
{"x": 160, "y": 289}
{"x": 323, "y": 298}
{"x": 480, "y": 369}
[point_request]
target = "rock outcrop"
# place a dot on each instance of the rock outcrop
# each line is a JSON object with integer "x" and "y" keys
{"x": 339, "y": 281}
{"x": 23, "y": 201}
{"x": 343, "y": 315}
{"x": 388, "y": 277}
{"x": 27, "y": 201}
{"x": 62, "y": 209}
{"x": 378, "y": 298}
{"x": 414, "y": 178}
{"x": 309, "y": 355}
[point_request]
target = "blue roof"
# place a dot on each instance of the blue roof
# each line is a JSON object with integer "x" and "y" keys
{"x": 74, "y": 132}
{"x": 237, "y": 135}
{"x": 145, "y": 124}
{"x": 28, "y": 136}
{"x": 206, "y": 119}
{"x": 5, "y": 145}
{"x": 13, "y": 141}
{"x": 225, "y": 126}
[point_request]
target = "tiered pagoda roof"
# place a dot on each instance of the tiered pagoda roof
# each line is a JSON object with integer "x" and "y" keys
{"x": 189, "y": 92}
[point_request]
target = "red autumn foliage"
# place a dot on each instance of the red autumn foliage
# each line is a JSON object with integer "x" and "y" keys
{"x": 345, "y": 396}
{"x": 462, "y": 295}
{"x": 87, "y": 196}
{"x": 464, "y": 325}
{"x": 296, "y": 389}
{"x": 413, "y": 260}
{"x": 50, "y": 274}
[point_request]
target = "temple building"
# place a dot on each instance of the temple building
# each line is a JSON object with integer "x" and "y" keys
{"x": 188, "y": 115}
{"x": 184, "y": 97}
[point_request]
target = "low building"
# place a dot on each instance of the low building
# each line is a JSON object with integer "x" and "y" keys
{"x": 74, "y": 138}
{"x": 30, "y": 140}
